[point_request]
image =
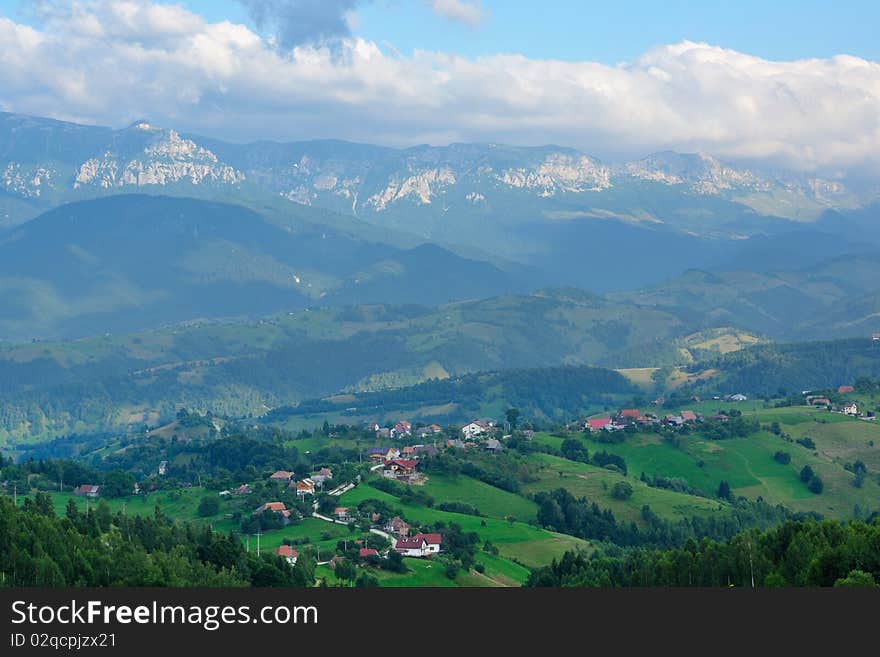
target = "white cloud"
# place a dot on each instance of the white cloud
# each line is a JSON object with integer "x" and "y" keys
{"x": 458, "y": 10}
{"x": 111, "y": 62}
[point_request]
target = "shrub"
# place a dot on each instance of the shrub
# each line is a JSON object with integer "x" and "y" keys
{"x": 806, "y": 474}
{"x": 807, "y": 442}
{"x": 208, "y": 506}
{"x": 782, "y": 457}
{"x": 621, "y": 491}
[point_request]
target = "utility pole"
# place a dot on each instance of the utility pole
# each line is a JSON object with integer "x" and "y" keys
{"x": 248, "y": 544}
{"x": 258, "y": 541}
{"x": 751, "y": 565}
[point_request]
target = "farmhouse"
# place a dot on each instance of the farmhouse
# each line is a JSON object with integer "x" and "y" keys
{"x": 420, "y": 545}
{"x": 400, "y": 468}
{"x": 383, "y": 453}
{"x": 305, "y": 487}
{"x": 87, "y": 490}
{"x": 842, "y": 390}
{"x": 275, "y": 507}
{"x": 432, "y": 542}
{"x": 475, "y": 428}
{"x": 282, "y": 476}
{"x": 244, "y": 489}
{"x": 402, "y": 428}
{"x": 363, "y": 553}
{"x": 424, "y": 451}
{"x": 411, "y": 546}
{"x": 288, "y": 553}
{"x": 342, "y": 513}
{"x": 688, "y": 416}
{"x": 851, "y": 409}
{"x": 493, "y": 445}
{"x": 596, "y": 424}
{"x": 397, "y": 526}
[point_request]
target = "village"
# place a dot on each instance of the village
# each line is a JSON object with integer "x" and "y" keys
{"x": 382, "y": 535}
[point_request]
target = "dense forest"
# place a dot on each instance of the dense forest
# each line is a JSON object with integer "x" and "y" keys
{"x": 768, "y": 369}
{"x": 97, "y": 548}
{"x": 551, "y": 392}
{"x": 805, "y": 553}
{"x": 560, "y": 511}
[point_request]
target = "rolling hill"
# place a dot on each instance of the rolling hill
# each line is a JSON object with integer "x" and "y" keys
{"x": 135, "y": 262}
{"x": 562, "y": 215}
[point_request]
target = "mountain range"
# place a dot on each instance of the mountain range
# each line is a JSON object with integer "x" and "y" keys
{"x": 559, "y": 214}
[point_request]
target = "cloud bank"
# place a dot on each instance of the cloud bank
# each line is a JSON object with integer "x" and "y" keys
{"x": 458, "y": 10}
{"x": 106, "y": 62}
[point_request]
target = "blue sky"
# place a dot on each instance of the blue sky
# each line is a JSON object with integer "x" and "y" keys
{"x": 608, "y": 32}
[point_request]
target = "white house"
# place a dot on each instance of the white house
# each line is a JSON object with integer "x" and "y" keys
{"x": 851, "y": 409}
{"x": 420, "y": 545}
{"x": 475, "y": 428}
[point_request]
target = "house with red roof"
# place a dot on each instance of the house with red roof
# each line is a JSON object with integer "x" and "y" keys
{"x": 397, "y": 525}
{"x": 287, "y": 553}
{"x": 475, "y": 428}
{"x": 410, "y": 546}
{"x": 363, "y": 553}
{"x": 275, "y": 507}
{"x": 842, "y": 390}
{"x": 282, "y": 476}
{"x": 688, "y": 416}
{"x": 630, "y": 414}
{"x": 87, "y": 490}
{"x": 432, "y": 542}
{"x": 420, "y": 545}
{"x": 596, "y": 424}
{"x": 400, "y": 468}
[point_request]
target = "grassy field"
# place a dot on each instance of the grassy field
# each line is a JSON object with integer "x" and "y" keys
{"x": 489, "y": 500}
{"x": 747, "y": 464}
{"x": 427, "y": 573}
{"x": 594, "y": 483}
{"x": 515, "y": 540}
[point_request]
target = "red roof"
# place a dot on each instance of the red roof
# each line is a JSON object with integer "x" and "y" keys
{"x": 430, "y": 539}
{"x": 406, "y": 464}
{"x": 286, "y": 551}
{"x": 409, "y": 542}
{"x": 688, "y": 415}
{"x": 631, "y": 412}
{"x": 599, "y": 422}
{"x": 367, "y": 552}
{"x": 843, "y": 389}
{"x": 272, "y": 506}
